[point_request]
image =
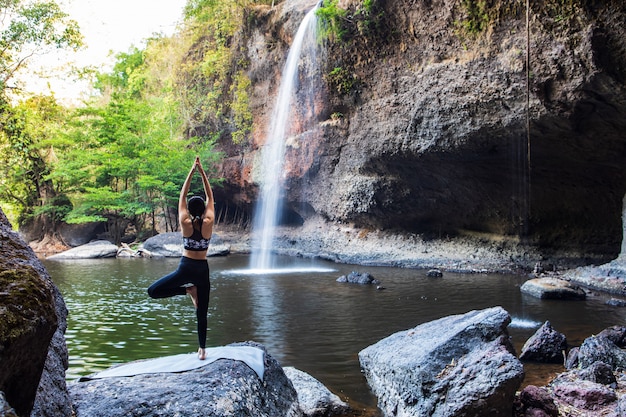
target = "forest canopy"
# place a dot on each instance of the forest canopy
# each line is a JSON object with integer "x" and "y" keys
{"x": 121, "y": 156}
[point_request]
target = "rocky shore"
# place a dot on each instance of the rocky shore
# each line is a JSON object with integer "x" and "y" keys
{"x": 343, "y": 243}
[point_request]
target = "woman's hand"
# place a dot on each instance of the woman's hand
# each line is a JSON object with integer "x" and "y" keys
{"x": 198, "y": 165}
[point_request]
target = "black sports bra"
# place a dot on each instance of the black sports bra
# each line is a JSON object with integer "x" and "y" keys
{"x": 196, "y": 242}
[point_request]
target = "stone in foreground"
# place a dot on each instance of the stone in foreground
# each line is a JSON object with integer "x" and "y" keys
{"x": 457, "y": 365}
{"x": 315, "y": 399}
{"x": 546, "y": 345}
{"x": 221, "y": 388}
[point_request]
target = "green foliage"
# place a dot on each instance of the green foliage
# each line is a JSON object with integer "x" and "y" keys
{"x": 216, "y": 89}
{"x": 353, "y": 36}
{"x": 341, "y": 80}
{"x": 332, "y": 21}
{"x": 477, "y": 16}
{"x": 26, "y": 146}
{"x": 240, "y": 107}
{"x": 29, "y": 28}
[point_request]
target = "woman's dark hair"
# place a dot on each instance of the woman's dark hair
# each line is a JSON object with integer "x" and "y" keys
{"x": 196, "y": 207}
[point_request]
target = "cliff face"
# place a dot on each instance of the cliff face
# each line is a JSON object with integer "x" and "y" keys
{"x": 431, "y": 135}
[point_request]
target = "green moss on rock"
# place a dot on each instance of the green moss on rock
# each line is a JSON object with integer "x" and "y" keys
{"x": 25, "y": 303}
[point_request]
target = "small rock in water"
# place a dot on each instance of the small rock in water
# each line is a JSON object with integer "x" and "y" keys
{"x": 615, "y": 302}
{"x": 434, "y": 273}
{"x": 358, "y": 278}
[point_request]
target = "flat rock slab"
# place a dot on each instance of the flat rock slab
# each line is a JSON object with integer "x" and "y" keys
{"x": 224, "y": 387}
{"x": 609, "y": 277}
{"x": 553, "y": 288}
{"x": 251, "y": 356}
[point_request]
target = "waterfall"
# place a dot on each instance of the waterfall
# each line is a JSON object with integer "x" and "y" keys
{"x": 268, "y": 207}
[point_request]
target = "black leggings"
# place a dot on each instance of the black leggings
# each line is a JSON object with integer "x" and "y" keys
{"x": 190, "y": 271}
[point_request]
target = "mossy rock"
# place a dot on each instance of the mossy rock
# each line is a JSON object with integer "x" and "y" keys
{"x": 28, "y": 323}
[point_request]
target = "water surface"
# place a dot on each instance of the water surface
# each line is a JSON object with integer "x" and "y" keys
{"x": 304, "y": 318}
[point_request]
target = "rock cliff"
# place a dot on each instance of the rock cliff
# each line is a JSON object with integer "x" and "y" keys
{"x": 452, "y": 118}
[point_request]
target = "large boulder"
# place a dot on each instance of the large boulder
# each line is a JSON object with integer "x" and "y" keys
{"x": 170, "y": 245}
{"x": 600, "y": 349}
{"x": 33, "y": 354}
{"x": 92, "y": 250}
{"x": 222, "y": 388}
{"x": 457, "y": 365}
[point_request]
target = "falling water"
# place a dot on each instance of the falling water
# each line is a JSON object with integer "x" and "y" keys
{"x": 267, "y": 213}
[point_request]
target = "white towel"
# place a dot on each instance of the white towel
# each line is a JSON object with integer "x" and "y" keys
{"x": 251, "y": 356}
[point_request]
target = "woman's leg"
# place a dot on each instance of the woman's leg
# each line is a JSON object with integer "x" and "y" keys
{"x": 203, "y": 291}
{"x": 168, "y": 286}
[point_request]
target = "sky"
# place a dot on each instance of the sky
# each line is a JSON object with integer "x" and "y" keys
{"x": 107, "y": 25}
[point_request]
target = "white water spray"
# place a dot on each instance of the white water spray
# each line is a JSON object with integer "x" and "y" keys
{"x": 267, "y": 212}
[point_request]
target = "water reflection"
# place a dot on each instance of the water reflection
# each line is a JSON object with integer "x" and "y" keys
{"x": 306, "y": 320}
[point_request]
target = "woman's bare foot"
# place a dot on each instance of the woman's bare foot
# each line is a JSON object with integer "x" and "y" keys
{"x": 201, "y": 354}
{"x": 193, "y": 293}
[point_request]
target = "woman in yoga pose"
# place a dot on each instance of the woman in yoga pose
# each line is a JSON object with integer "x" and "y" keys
{"x": 196, "y": 218}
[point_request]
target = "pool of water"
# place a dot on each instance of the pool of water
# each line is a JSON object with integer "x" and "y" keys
{"x": 300, "y": 313}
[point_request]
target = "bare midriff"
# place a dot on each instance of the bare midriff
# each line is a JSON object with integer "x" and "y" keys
{"x": 198, "y": 255}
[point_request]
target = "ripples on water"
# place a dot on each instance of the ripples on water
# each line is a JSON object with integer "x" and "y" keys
{"x": 304, "y": 317}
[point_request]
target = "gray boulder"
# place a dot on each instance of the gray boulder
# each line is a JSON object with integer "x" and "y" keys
{"x": 601, "y": 349}
{"x": 553, "y": 288}
{"x": 34, "y": 355}
{"x": 170, "y": 245}
{"x": 314, "y": 398}
{"x": 457, "y": 365}
{"x": 616, "y": 334}
{"x": 359, "y": 278}
{"x": 92, "y": 250}
{"x": 546, "y": 345}
{"x": 221, "y": 388}
{"x": 5, "y": 408}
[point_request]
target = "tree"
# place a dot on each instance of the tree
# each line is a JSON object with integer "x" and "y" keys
{"x": 122, "y": 159}
{"x": 31, "y": 28}
{"x": 28, "y": 28}
{"x": 26, "y": 147}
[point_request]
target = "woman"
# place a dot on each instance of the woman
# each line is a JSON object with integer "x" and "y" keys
{"x": 192, "y": 276}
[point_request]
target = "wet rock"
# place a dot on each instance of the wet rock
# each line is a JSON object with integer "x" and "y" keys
{"x": 616, "y": 334}
{"x": 314, "y": 398}
{"x": 600, "y": 373}
{"x": 546, "y": 345}
{"x": 358, "y": 278}
{"x": 534, "y": 401}
{"x": 553, "y": 288}
{"x": 222, "y": 388}
{"x": 457, "y": 365}
{"x": 92, "y": 250}
{"x": 434, "y": 273}
{"x": 583, "y": 395}
{"x": 600, "y": 349}
{"x": 609, "y": 277}
{"x": 170, "y": 245}
{"x": 34, "y": 355}
{"x": 616, "y": 302}
{"x": 5, "y": 408}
